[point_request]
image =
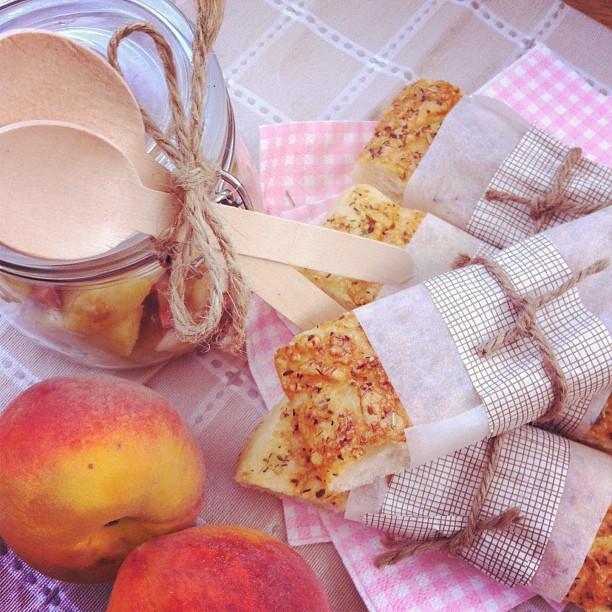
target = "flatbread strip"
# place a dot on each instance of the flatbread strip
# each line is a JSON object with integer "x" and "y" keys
{"x": 363, "y": 211}
{"x": 592, "y": 588}
{"x": 403, "y": 135}
{"x": 348, "y": 414}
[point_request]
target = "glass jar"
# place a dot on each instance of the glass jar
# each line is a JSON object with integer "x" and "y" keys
{"x": 112, "y": 311}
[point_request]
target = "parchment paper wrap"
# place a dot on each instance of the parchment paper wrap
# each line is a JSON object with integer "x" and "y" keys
{"x": 562, "y": 488}
{"x": 452, "y": 396}
{"x": 482, "y": 145}
{"x": 434, "y": 247}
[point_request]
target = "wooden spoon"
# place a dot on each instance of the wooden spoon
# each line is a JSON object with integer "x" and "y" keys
{"x": 49, "y": 77}
{"x": 67, "y": 193}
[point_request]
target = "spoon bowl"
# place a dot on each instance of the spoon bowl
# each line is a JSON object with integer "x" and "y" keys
{"x": 45, "y": 76}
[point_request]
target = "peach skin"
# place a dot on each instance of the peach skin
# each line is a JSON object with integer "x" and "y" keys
{"x": 216, "y": 568}
{"x": 89, "y": 469}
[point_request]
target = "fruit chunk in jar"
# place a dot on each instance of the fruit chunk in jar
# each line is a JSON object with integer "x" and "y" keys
{"x": 130, "y": 318}
{"x": 13, "y": 290}
{"x": 108, "y": 316}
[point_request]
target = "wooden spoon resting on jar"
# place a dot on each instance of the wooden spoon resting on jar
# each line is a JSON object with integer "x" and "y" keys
{"x": 45, "y": 76}
{"x": 68, "y": 193}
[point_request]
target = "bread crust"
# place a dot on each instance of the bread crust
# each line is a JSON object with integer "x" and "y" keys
{"x": 592, "y": 588}
{"x": 403, "y": 135}
{"x": 600, "y": 433}
{"x": 364, "y": 211}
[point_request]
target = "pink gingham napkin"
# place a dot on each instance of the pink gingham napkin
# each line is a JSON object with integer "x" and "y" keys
{"x": 547, "y": 92}
{"x": 427, "y": 582}
{"x": 312, "y": 162}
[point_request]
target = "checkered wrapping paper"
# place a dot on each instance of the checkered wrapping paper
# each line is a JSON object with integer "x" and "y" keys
{"x": 434, "y": 500}
{"x": 512, "y": 384}
{"x": 528, "y": 172}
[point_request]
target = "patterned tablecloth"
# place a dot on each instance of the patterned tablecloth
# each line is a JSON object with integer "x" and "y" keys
{"x": 304, "y": 60}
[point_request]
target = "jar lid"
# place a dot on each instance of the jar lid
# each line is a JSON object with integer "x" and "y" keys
{"x": 92, "y": 24}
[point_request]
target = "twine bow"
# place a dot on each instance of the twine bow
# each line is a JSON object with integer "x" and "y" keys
{"x": 525, "y": 324}
{"x": 474, "y": 527}
{"x": 543, "y": 208}
{"x": 197, "y": 231}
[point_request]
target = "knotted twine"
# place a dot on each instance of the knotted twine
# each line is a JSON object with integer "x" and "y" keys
{"x": 525, "y": 325}
{"x": 463, "y": 538}
{"x": 555, "y": 201}
{"x": 196, "y": 233}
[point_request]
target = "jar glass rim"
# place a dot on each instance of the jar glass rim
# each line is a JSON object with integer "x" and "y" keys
{"x": 137, "y": 252}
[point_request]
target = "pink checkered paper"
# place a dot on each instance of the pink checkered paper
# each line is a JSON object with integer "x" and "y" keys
{"x": 548, "y": 93}
{"x": 428, "y": 582}
{"x": 312, "y": 162}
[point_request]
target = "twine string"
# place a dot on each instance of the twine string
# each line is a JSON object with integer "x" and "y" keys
{"x": 197, "y": 230}
{"x": 474, "y": 526}
{"x": 555, "y": 201}
{"x": 526, "y": 325}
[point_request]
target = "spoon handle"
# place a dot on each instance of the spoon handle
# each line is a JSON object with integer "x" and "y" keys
{"x": 265, "y": 237}
{"x": 278, "y": 284}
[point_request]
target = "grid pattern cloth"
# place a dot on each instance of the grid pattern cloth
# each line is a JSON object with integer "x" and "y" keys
{"x": 288, "y": 60}
{"x": 433, "y": 501}
{"x": 512, "y": 384}
{"x": 528, "y": 173}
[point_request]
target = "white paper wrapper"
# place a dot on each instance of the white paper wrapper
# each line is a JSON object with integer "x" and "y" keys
{"x": 586, "y": 498}
{"x": 475, "y": 138}
{"x": 416, "y": 349}
{"x": 434, "y": 247}
{"x": 483, "y": 145}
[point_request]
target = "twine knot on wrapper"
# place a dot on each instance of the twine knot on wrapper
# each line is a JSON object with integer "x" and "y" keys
{"x": 525, "y": 325}
{"x": 196, "y": 236}
{"x": 555, "y": 201}
{"x": 474, "y": 526}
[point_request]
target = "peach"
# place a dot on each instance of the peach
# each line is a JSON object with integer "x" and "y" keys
{"x": 216, "y": 568}
{"x": 90, "y": 468}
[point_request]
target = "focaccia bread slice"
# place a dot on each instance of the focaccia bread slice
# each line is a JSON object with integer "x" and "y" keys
{"x": 403, "y": 135}
{"x": 275, "y": 460}
{"x": 341, "y": 426}
{"x": 348, "y": 416}
{"x": 364, "y": 211}
{"x": 592, "y": 588}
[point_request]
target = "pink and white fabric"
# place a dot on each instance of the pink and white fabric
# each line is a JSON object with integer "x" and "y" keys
{"x": 547, "y": 92}
{"x": 304, "y": 166}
